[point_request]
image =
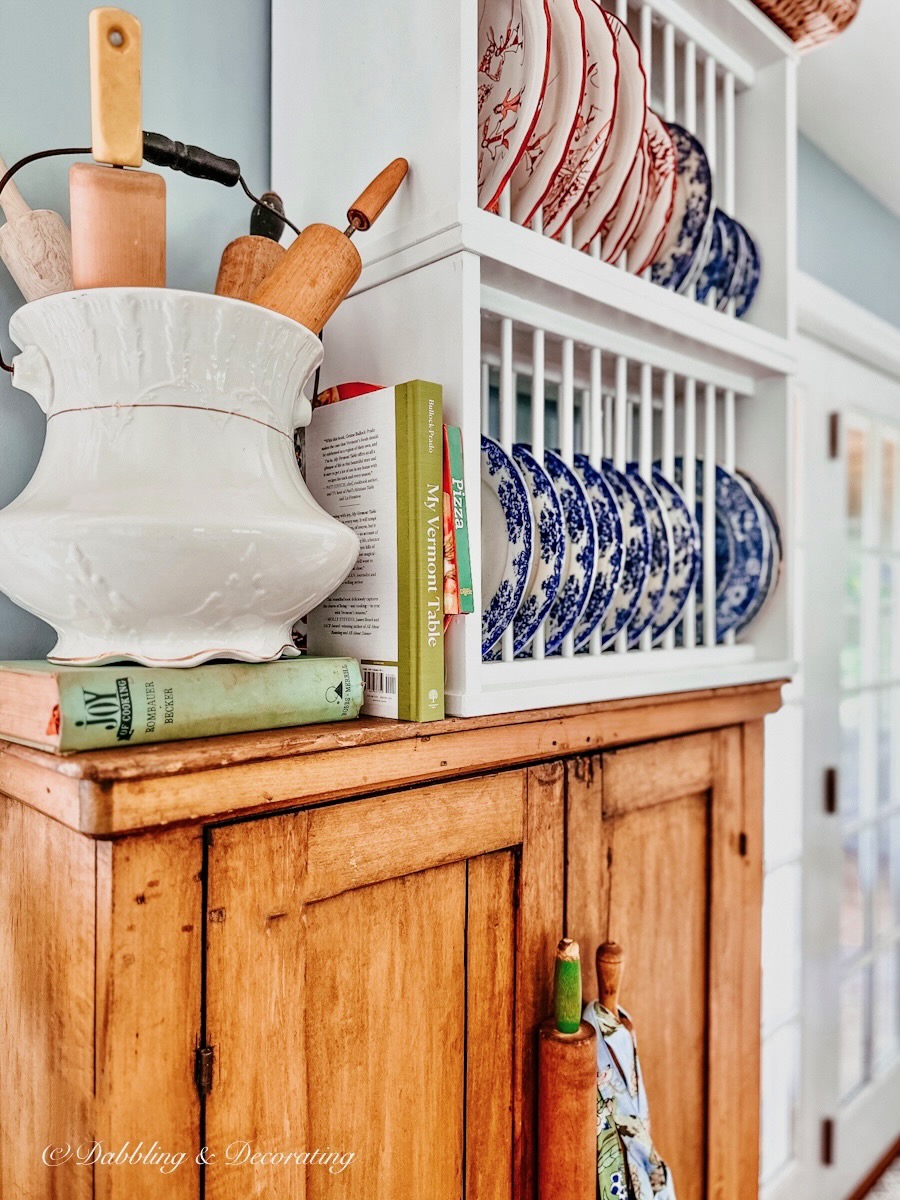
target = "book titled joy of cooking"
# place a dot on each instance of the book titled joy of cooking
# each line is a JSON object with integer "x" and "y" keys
{"x": 375, "y": 463}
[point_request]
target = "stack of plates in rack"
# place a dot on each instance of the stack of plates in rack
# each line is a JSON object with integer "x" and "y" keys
{"x": 564, "y": 124}
{"x": 594, "y": 557}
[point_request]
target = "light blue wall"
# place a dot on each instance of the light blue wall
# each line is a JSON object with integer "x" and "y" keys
{"x": 846, "y": 238}
{"x": 206, "y": 81}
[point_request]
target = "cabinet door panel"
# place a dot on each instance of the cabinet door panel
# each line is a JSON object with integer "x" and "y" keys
{"x": 385, "y": 1028}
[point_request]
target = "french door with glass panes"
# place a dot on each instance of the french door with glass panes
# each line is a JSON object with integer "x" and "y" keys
{"x": 849, "y": 1099}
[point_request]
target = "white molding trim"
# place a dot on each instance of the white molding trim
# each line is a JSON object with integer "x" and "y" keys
{"x": 829, "y": 317}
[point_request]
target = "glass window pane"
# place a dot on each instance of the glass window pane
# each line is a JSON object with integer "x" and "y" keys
{"x": 887, "y": 1008}
{"x": 784, "y": 784}
{"x": 780, "y": 1088}
{"x": 870, "y": 614}
{"x": 887, "y": 702}
{"x": 887, "y": 877}
{"x": 888, "y": 492}
{"x": 851, "y": 672}
{"x": 886, "y": 632}
{"x": 856, "y": 884}
{"x": 853, "y": 1032}
{"x": 849, "y": 713}
{"x": 782, "y": 945}
{"x": 856, "y": 479}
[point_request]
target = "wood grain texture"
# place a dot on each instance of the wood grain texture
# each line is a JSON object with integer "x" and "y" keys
{"x": 385, "y": 1015}
{"x": 658, "y": 911}
{"x": 118, "y": 227}
{"x": 587, "y": 877}
{"x": 256, "y": 988}
{"x": 351, "y": 845}
{"x": 245, "y": 263}
{"x": 538, "y": 930}
{"x": 46, "y": 1003}
{"x": 567, "y": 1113}
{"x": 637, "y": 778}
{"x": 490, "y": 993}
{"x": 312, "y": 278}
{"x": 158, "y": 785}
{"x": 752, "y": 867}
{"x": 149, "y": 938}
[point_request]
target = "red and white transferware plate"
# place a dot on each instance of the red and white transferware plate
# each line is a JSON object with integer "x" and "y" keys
{"x": 648, "y": 235}
{"x": 548, "y": 145}
{"x": 622, "y": 221}
{"x": 513, "y": 61}
{"x": 595, "y": 120}
{"x": 602, "y": 193}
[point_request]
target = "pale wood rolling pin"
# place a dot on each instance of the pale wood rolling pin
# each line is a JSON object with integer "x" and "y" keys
{"x": 610, "y": 965}
{"x": 118, "y": 216}
{"x": 249, "y": 260}
{"x": 322, "y": 265}
{"x": 35, "y": 244}
{"x": 567, "y": 1090}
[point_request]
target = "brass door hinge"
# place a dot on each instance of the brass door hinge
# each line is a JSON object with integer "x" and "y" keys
{"x": 830, "y": 790}
{"x": 203, "y": 1069}
{"x": 827, "y": 1148}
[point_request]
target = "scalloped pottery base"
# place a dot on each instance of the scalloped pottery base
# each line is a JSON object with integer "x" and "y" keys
{"x": 69, "y": 652}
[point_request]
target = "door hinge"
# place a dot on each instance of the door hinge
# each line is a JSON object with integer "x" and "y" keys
{"x": 834, "y": 435}
{"x": 742, "y": 845}
{"x": 827, "y": 1148}
{"x": 203, "y": 1069}
{"x": 830, "y": 790}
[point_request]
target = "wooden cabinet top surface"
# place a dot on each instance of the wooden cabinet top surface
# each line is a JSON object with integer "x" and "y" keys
{"x": 112, "y": 792}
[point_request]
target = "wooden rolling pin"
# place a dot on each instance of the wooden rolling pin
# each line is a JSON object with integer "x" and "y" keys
{"x": 250, "y": 259}
{"x": 35, "y": 244}
{"x": 567, "y": 1090}
{"x": 118, "y": 216}
{"x": 610, "y": 965}
{"x": 322, "y": 265}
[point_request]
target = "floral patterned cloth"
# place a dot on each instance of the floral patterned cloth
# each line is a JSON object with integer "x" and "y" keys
{"x": 628, "y": 1166}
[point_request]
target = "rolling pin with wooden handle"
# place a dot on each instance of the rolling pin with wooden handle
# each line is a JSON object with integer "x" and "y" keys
{"x": 567, "y": 1090}
{"x": 250, "y": 259}
{"x": 118, "y": 216}
{"x": 322, "y": 265}
{"x": 610, "y": 965}
{"x": 35, "y": 244}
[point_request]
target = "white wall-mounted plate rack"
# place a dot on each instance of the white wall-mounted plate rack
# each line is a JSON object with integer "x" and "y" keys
{"x": 450, "y": 292}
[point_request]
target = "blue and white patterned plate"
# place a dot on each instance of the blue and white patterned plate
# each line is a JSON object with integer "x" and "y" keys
{"x": 690, "y": 213}
{"x": 610, "y": 551}
{"x": 743, "y": 548}
{"x": 636, "y": 544}
{"x": 698, "y": 261}
{"x": 550, "y": 549}
{"x": 506, "y": 541}
{"x": 581, "y": 553}
{"x": 774, "y": 573}
{"x": 748, "y": 273}
{"x": 654, "y": 590}
{"x": 685, "y": 552}
{"x": 721, "y": 260}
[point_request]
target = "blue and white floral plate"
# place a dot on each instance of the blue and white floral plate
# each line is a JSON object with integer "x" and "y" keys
{"x": 685, "y": 552}
{"x": 610, "y": 551}
{"x": 774, "y": 573}
{"x": 721, "y": 260}
{"x": 550, "y": 549}
{"x": 656, "y": 585}
{"x": 636, "y": 545}
{"x": 507, "y": 541}
{"x": 689, "y": 222}
{"x": 743, "y": 547}
{"x": 747, "y": 274}
{"x": 581, "y": 553}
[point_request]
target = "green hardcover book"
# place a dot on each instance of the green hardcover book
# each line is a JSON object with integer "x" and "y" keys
{"x": 374, "y": 462}
{"x": 460, "y": 519}
{"x": 66, "y": 709}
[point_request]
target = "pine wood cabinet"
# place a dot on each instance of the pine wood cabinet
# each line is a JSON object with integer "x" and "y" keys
{"x": 340, "y": 939}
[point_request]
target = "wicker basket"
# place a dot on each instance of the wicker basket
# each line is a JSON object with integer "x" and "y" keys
{"x": 810, "y": 22}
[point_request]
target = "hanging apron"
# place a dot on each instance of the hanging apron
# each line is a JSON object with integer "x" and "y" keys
{"x": 628, "y": 1166}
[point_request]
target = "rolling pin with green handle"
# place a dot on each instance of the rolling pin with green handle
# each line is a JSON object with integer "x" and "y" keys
{"x": 567, "y": 1089}
{"x": 322, "y": 265}
{"x": 35, "y": 244}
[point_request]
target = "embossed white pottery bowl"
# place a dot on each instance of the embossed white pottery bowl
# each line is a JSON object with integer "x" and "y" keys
{"x": 167, "y": 521}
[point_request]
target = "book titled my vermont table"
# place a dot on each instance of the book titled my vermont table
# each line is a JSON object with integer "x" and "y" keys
{"x": 374, "y": 462}
{"x": 66, "y": 709}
